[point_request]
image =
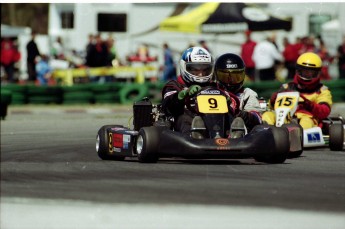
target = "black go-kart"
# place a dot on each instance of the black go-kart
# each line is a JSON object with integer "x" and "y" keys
{"x": 153, "y": 137}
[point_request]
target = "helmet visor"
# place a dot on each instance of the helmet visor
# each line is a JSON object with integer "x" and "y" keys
{"x": 308, "y": 74}
{"x": 230, "y": 76}
{"x": 199, "y": 69}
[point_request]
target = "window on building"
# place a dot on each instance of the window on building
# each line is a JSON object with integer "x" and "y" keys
{"x": 67, "y": 20}
{"x": 112, "y": 22}
{"x": 316, "y": 21}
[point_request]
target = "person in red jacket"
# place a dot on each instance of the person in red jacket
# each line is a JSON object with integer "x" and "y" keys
{"x": 247, "y": 50}
{"x": 290, "y": 54}
{"x": 326, "y": 61}
{"x": 316, "y": 98}
{"x": 9, "y": 56}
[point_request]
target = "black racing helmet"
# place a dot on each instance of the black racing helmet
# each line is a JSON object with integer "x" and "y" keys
{"x": 230, "y": 71}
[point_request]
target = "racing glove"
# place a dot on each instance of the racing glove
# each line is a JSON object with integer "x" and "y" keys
{"x": 319, "y": 110}
{"x": 190, "y": 91}
{"x": 182, "y": 94}
{"x": 307, "y": 104}
{"x": 193, "y": 89}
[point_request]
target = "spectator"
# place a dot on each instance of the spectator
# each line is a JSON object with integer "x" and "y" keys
{"x": 308, "y": 45}
{"x": 57, "y": 50}
{"x": 99, "y": 53}
{"x": 142, "y": 56}
{"x": 111, "y": 50}
{"x": 43, "y": 70}
{"x": 341, "y": 59}
{"x": 89, "y": 49}
{"x": 75, "y": 59}
{"x": 326, "y": 60}
{"x": 9, "y": 56}
{"x": 247, "y": 50}
{"x": 97, "y": 56}
{"x": 298, "y": 46}
{"x": 265, "y": 56}
{"x": 204, "y": 45}
{"x": 290, "y": 54}
{"x": 143, "y": 53}
{"x": 32, "y": 54}
{"x": 169, "y": 71}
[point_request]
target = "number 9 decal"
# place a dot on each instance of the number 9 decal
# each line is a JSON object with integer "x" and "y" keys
{"x": 213, "y": 103}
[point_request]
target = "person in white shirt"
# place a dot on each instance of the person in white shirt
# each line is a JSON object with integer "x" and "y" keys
{"x": 265, "y": 56}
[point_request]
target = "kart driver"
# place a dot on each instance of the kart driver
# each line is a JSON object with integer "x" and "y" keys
{"x": 229, "y": 74}
{"x": 316, "y": 98}
{"x": 196, "y": 71}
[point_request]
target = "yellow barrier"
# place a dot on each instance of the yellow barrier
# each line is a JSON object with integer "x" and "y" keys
{"x": 123, "y": 72}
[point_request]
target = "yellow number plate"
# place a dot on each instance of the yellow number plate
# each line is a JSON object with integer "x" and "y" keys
{"x": 285, "y": 101}
{"x": 212, "y": 104}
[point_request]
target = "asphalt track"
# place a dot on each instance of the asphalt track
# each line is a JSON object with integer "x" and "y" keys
{"x": 51, "y": 177}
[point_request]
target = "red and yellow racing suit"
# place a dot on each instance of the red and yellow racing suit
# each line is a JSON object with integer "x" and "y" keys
{"x": 315, "y": 105}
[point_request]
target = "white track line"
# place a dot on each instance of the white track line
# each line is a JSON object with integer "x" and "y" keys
{"x": 54, "y": 214}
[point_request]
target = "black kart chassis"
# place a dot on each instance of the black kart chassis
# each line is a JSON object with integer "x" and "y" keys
{"x": 260, "y": 141}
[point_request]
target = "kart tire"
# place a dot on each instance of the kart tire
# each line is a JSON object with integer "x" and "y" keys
{"x": 132, "y": 92}
{"x": 336, "y": 137}
{"x": 102, "y": 144}
{"x": 281, "y": 139}
{"x": 147, "y": 144}
{"x": 299, "y": 152}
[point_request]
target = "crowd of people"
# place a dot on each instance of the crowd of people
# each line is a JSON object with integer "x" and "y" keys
{"x": 264, "y": 59}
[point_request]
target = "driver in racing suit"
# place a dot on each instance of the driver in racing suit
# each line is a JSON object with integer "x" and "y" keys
{"x": 196, "y": 71}
{"x": 316, "y": 98}
{"x": 229, "y": 74}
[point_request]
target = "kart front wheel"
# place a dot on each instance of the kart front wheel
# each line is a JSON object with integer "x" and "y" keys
{"x": 103, "y": 147}
{"x": 336, "y": 136}
{"x": 281, "y": 139}
{"x": 147, "y": 144}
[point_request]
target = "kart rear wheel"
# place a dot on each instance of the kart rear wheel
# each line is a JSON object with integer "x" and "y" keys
{"x": 102, "y": 144}
{"x": 147, "y": 144}
{"x": 336, "y": 136}
{"x": 282, "y": 147}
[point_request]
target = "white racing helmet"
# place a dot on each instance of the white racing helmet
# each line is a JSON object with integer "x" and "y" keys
{"x": 196, "y": 66}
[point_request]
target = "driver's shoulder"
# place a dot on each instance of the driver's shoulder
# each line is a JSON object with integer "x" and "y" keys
{"x": 249, "y": 92}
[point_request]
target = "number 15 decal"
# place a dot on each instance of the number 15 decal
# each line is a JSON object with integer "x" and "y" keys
{"x": 285, "y": 101}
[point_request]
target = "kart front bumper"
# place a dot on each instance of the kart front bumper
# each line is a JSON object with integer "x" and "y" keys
{"x": 258, "y": 142}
